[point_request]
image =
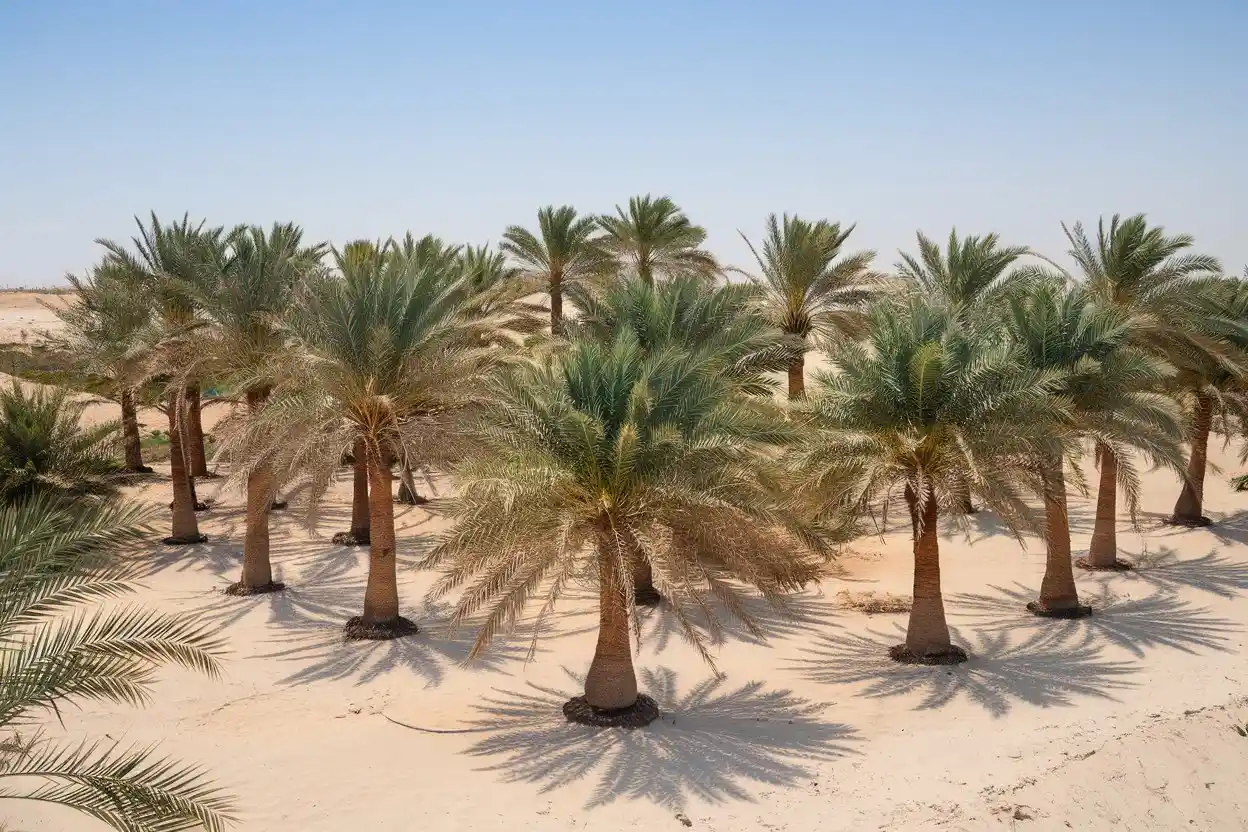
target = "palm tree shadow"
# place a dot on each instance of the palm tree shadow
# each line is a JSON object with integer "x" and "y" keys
{"x": 713, "y": 742}
{"x": 801, "y": 612}
{"x": 1158, "y": 620}
{"x": 1044, "y": 670}
{"x": 1211, "y": 573}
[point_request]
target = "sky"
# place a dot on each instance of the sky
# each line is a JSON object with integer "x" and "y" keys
{"x": 372, "y": 118}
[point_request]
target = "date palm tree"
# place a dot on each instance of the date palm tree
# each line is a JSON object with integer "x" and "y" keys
{"x": 608, "y": 454}
{"x": 562, "y": 255}
{"x": 809, "y": 289}
{"x": 387, "y": 364}
{"x": 654, "y": 239}
{"x": 1111, "y": 390}
{"x": 931, "y": 407}
{"x": 103, "y": 327}
{"x": 1152, "y": 277}
{"x": 57, "y": 563}
{"x": 245, "y": 296}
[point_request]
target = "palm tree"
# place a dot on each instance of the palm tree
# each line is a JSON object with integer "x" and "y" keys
{"x": 57, "y": 563}
{"x": 45, "y": 450}
{"x": 561, "y": 256}
{"x": 246, "y": 295}
{"x": 1147, "y": 274}
{"x": 932, "y": 407}
{"x": 1111, "y": 390}
{"x": 808, "y": 289}
{"x": 584, "y": 466}
{"x": 103, "y": 327}
{"x": 386, "y": 361}
{"x": 654, "y": 238}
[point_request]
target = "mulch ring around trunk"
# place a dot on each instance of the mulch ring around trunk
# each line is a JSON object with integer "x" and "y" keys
{"x": 647, "y": 596}
{"x": 241, "y": 590}
{"x": 638, "y": 715}
{"x": 1116, "y": 566}
{"x": 1076, "y": 611}
{"x": 1188, "y": 522}
{"x": 901, "y": 654}
{"x": 189, "y": 540}
{"x": 350, "y": 539}
{"x": 358, "y": 629}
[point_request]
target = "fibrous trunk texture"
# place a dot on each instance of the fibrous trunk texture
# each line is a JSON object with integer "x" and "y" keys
{"x": 257, "y": 569}
{"x": 1189, "y": 510}
{"x": 131, "y": 439}
{"x": 797, "y": 378}
{"x": 556, "y": 308}
{"x": 1059, "y": 598}
{"x": 185, "y": 526}
{"x": 611, "y": 683}
{"x": 927, "y": 634}
{"x": 1103, "y": 550}
{"x": 195, "y": 433}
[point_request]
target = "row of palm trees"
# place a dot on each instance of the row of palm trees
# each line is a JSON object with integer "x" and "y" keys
{"x": 636, "y": 443}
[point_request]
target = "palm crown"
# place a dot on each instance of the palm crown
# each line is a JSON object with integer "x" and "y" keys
{"x": 562, "y": 256}
{"x": 653, "y": 238}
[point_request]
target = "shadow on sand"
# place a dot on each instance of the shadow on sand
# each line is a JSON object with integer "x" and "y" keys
{"x": 1212, "y": 573}
{"x": 1046, "y": 669}
{"x": 714, "y": 742}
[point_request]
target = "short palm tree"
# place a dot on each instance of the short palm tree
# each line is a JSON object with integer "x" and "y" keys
{"x": 57, "y": 563}
{"x": 809, "y": 289}
{"x": 103, "y": 327}
{"x": 654, "y": 239}
{"x": 562, "y": 255}
{"x": 929, "y": 407}
{"x": 1140, "y": 270}
{"x": 245, "y": 296}
{"x": 1111, "y": 389}
{"x": 388, "y": 365}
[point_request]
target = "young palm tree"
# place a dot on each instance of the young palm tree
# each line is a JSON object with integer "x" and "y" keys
{"x": 561, "y": 256}
{"x": 931, "y": 407}
{"x": 103, "y": 328}
{"x": 245, "y": 296}
{"x": 1110, "y": 387}
{"x": 57, "y": 563}
{"x": 808, "y": 289}
{"x": 45, "y": 450}
{"x": 386, "y": 361}
{"x": 1138, "y": 269}
{"x": 654, "y": 239}
{"x": 613, "y": 454}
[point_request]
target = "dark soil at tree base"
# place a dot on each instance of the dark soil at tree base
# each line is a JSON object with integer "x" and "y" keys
{"x": 211, "y": 475}
{"x": 411, "y": 500}
{"x": 280, "y": 505}
{"x": 1116, "y": 566}
{"x": 239, "y": 590}
{"x": 638, "y": 715}
{"x": 1189, "y": 522}
{"x": 185, "y": 541}
{"x": 350, "y": 539}
{"x": 140, "y": 470}
{"x": 358, "y": 630}
{"x": 646, "y": 596}
{"x": 1077, "y": 611}
{"x": 902, "y": 655}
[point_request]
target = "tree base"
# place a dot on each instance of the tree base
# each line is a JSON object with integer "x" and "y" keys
{"x": 141, "y": 469}
{"x": 201, "y": 506}
{"x": 207, "y": 475}
{"x": 1040, "y": 609}
{"x": 637, "y": 715}
{"x": 1189, "y": 522}
{"x": 1116, "y": 566}
{"x": 953, "y": 655}
{"x": 416, "y": 500}
{"x": 351, "y": 538}
{"x": 241, "y": 590}
{"x": 279, "y": 505}
{"x": 646, "y": 596}
{"x": 188, "y": 540}
{"x": 358, "y": 629}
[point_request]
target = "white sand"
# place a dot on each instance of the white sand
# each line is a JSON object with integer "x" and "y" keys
{"x": 1121, "y": 721}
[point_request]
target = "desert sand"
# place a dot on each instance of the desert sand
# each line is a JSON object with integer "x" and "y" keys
{"x": 1126, "y": 720}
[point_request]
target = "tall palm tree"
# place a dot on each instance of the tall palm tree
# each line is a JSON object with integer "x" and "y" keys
{"x": 1111, "y": 391}
{"x": 932, "y": 407}
{"x": 246, "y": 296}
{"x": 1150, "y": 276}
{"x": 163, "y": 263}
{"x": 57, "y": 563}
{"x": 386, "y": 360}
{"x": 809, "y": 289}
{"x": 103, "y": 327}
{"x": 653, "y": 238}
{"x": 584, "y": 465}
{"x": 563, "y": 254}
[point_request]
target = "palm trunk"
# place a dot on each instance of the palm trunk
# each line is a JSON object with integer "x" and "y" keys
{"x": 407, "y": 487}
{"x": 131, "y": 439}
{"x": 257, "y": 569}
{"x": 611, "y": 683}
{"x": 644, "y": 592}
{"x": 185, "y": 526}
{"x": 556, "y": 308}
{"x": 965, "y": 504}
{"x": 1103, "y": 550}
{"x": 358, "y": 533}
{"x": 927, "y": 634}
{"x": 381, "y": 619}
{"x": 1189, "y": 510}
{"x": 797, "y": 378}
{"x": 1059, "y": 598}
{"x": 195, "y": 433}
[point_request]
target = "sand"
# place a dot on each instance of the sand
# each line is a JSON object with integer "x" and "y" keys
{"x": 1125, "y": 720}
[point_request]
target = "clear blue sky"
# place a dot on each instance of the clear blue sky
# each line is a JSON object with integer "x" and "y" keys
{"x": 370, "y": 118}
